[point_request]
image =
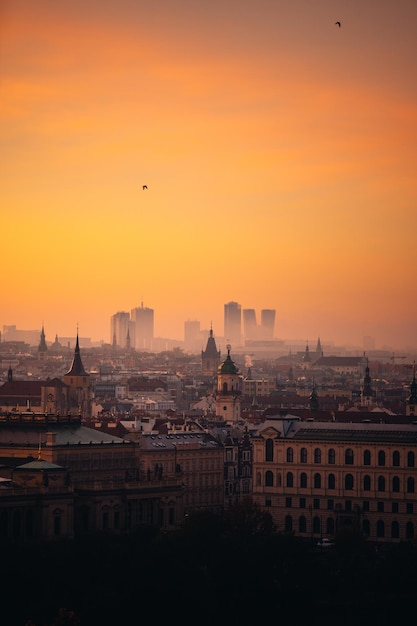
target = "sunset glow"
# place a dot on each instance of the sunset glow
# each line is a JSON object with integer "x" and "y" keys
{"x": 279, "y": 153}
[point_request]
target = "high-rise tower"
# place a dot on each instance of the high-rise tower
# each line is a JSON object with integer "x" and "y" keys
{"x": 233, "y": 323}
{"x": 119, "y": 328}
{"x": 143, "y": 326}
{"x": 268, "y": 323}
{"x": 250, "y": 327}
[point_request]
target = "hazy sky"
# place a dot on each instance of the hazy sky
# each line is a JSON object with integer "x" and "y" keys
{"x": 279, "y": 151}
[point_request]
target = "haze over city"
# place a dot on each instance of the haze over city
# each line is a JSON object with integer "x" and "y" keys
{"x": 278, "y": 151}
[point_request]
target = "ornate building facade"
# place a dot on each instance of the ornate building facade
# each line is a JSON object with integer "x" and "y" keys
{"x": 317, "y": 478}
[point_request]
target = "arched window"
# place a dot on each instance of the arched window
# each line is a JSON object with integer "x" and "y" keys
{"x": 381, "y": 458}
{"x": 302, "y": 524}
{"x": 269, "y": 450}
{"x": 303, "y": 480}
{"x": 317, "y": 481}
{"x": 395, "y": 484}
{"x": 366, "y": 527}
{"x": 395, "y": 530}
{"x": 303, "y": 455}
{"x": 331, "y": 481}
{"x": 331, "y": 455}
{"x": 330, "y": 526}
{"x": 410, "y": 459}
{"x": 225, "y": 389}
{"x": 409, "y": 530}
{"x": 317, "y": 455}
{"x": 290, "y": 479}
{"x": 316, "y": 525}
{"x": 349, "y": 456}
{"x": 367, "y": 483}
{"x": 349, "y": 482}
{"x": 410, "y": 484}
{"x": 395, "y": 458}
{"x": 380, "y": 528}
{"x": 367, "y": 457}
{"x": 290, "y": 455}
{"x": 269, "y": 479}
{"x": 381, "y": 483}
{"x": 288, "y": 523}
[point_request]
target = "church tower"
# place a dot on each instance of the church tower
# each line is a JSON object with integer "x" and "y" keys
{"x": 210, "y": 358}
{"x": 367, "y": 393}
{"x": 79, "y": 382}
{"x": 228, "y": 396}
{"x": 42, "y": 348}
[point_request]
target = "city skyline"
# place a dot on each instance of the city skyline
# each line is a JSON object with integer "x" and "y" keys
{"x": 277, "y": 150}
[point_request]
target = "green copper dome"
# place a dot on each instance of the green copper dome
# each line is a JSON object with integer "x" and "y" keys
{"x": 228, "y": 366}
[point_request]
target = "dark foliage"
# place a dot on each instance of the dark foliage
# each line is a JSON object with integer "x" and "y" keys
{"x": 230, "y": 569}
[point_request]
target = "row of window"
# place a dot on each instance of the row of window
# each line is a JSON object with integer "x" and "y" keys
{"x": 348, "y": 505}
{"x": 381, "y": 529}
{"x": 349, "y": 457}
{"x": 349, "y": 482}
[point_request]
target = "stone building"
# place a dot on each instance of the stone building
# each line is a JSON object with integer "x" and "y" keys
{"x": 52, "y": 466}
{"x": 317, "y": 478}
{"x": 195, "y": 458}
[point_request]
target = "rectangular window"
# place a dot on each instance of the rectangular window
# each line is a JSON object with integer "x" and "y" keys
{"x": 380, "y": 507}
{"x": 268, "y": 501}
{"x": 288, "y": 502}
{"x": 365, "y": 505}
{"x": 302, "y": 503}
{"x": 330, "y": 505}
{"x": 409, "y": 508}
{"x": 316, "y": 503}
{"x": 395, "y": 507}
{"x": 348, "y": 505}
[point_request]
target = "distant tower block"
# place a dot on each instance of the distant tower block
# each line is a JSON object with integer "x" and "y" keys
{"x": 250, "y": 326}
{"x": 119, "y": 326}
{"x": 268, "y": 323}
{"x": 143, "y": 324}
{"x": 233, "y": 323}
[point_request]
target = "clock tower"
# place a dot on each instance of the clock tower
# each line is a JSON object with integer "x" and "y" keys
{"x": 228, "y": 396}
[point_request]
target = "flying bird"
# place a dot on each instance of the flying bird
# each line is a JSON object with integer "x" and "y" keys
{"x": 338, "y": 24}
{"x": 144, "y": 186}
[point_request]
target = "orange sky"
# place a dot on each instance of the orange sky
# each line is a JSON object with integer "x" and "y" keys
{"x": 279, "y": 152}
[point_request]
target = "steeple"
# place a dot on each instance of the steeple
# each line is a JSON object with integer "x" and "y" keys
{"x": 210, "y": 357}
{"x": 42, "y": 345}
{"x": 77, "y": 368}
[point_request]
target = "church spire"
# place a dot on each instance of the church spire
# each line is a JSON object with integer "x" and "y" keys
{"x": 77, "y": 367}
{"x": 42, "y": 345}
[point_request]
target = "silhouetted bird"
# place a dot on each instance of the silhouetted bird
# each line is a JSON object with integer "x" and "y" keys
{"x": 144, "y": 187}
{"x": 338, "y": 24}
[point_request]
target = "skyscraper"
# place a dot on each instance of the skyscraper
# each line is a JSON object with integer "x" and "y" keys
{"x": 119, "y": 327}
{"x": 250, "y": 326}
{"x": 268, "y": 323}
{"x": 233, "y": 323}
{"x": 142, "y": 318}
